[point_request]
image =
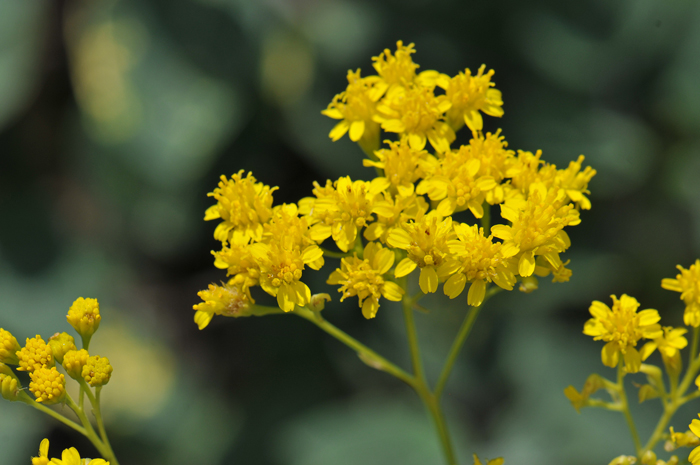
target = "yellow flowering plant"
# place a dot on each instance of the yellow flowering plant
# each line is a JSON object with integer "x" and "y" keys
{"x": 384, "y": 234}
{"x": 47, "y": 364}
{"x": 631, "y": 336}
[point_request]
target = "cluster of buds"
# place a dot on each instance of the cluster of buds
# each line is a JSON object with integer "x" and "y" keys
{"x": 41, "y": 359}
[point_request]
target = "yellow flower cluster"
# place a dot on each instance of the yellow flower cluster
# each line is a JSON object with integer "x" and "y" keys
{"x": 68, "y": 457}
{"x": 402, "y": 219}
{"x": 39, "y": 358}
{"x": 688, "y": 284}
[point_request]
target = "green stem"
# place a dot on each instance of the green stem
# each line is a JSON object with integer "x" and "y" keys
{"x": 624, "y": 406}
{"x": 430, "y": 400}
{"x": 456, "y": 347}
{"x": 694, "y": 346}
{"x": 24, "y": 397}
{"x": 366, "y": 354}
{"x": 331, "y": 254}
{"x": 112, "y": 459}
{"x": 90, "y": 431}
{"x": 462, "y": 335}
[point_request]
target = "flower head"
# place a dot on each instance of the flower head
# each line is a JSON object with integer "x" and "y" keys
{"x": 74, "y": 361}
{"x": 61, "y": 343}
{"x": 227, "y": 300}
{"x": 396, "y": 69}
{"x": 8, "y": 348}
{"x": 341, "y": 208}
{"x": 688, "y": 284}
{"x": 356, "y": 107}
{"x": 470, "y": 94}
{"x": 97, "y": 371}
{"x": 426, "y": 241}
{"x": 537, "y": 227}
{"x": 416, "y": 113}
{"x": 243, "y": 204}
{"x": 392, "y": 212}
{"x": 476, "y": 260}
{"x": 363, "y": 277}
{"x": 402, "y": 165}
{"x": 34, "y": 355}
{"x": 47, "y": 385}
{"x": 622, "y": 327}
{"x": 84, "y": 317}
{"x": 68, "y": 457}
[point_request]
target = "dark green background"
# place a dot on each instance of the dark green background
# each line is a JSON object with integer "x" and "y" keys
{"x": 117, "y": 118}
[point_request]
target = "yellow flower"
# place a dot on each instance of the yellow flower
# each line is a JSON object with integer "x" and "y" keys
{"x": 477, "y": 260}
{"x": 74, "y": 361}
{"x": 694, "y": 456}
{"x": 60, "y": 344}
{"x": 469, "y": 95}
{"x": 243, "y": 204}
{"x": 687, "y": 439}
{"x": 392, "y": 212}
{"x": 341, "y": 208}
{"x": 402, "y": 165}
{"x": 688, "y": 284}
{"x": 356, "y": 107}
{"x": 72, "y": 457}
{"x": 43, "y": 458}
{"x": 426, "y": 241}
{"x": 228, "y": 300}
{"x": 363, "y": 277}
{"x": 238, "y": 261}
{"x": 622, "y": 327}
{"x": 417, "y": 113}
{"x": 48, "y": 385}
{"x": 456, "y": 183}
{"x": 397, "y": 69}
{"x": 495, "y": 160}
{"x": 34, "y": 355}
{"x": 575, "y": 182}
{"x": 290, "y": 230}
{"x": 281, "y": 269}
{"x": 84, "y": 317}
{"x": 580, "y": 399}
{"x": 498, "y": 461}
{"x": 537, "y": 227}
{"x": 668, "y": 343}
{"x": 8, "y": 348}
{"x": 97, "y": 371}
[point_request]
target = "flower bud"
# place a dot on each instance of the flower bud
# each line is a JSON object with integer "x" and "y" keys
{"x": 8, "y": 348}
{"x": 9, "y": 387}
{"x": 97, "y": 371}
{"x": 84, "y": 317}
{"x": 60, "y": 344}
{"x": 74, "y": 361}
{"x": 47, "y": 385}
{"x": 649, "y": 458}
{"x": 318, "y": 302}
{"x": 34, "y": 355}
{"x": 623, "y": 460}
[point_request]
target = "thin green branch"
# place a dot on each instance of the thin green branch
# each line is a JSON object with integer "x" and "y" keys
{"x": 625, "y": 408}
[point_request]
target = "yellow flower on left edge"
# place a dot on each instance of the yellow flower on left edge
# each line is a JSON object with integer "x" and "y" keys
{"x": 622, "y": 327}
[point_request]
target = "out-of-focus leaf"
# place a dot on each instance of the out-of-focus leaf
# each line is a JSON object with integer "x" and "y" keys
{"x": 22, "y": 26}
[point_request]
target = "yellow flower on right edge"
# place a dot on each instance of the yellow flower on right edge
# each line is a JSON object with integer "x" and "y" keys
{"x": 688, "y": 284}
{"x": 622, "y": 327}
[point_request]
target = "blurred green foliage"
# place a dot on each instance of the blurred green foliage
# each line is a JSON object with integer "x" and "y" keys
{"x": 118, "y": 116}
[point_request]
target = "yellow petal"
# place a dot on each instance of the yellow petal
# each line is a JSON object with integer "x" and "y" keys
{"x": 477, "y": 291}
{"x": 369, "y": 308}
{"x": 632, "y": 360}
{"x": 454, "y": 285}
{"x": 320, "y": 232}
{"x": 392, "y": 291}
{"x": 399, "y": 238}
{"x": 416, "y": 141}
{"x": 357, "y": 128}
{"x": 404, "y": 267}
{"x": 695, "y": 427}
{"x": 383, "y": 260}
{"x": 44, "y": 446}
{"x": 212, "y": 213}
{"x": 694, "y": 456}
{"x": 428, "y": 280}
{"x": 671, "y": 284}
{"x": 447, "y": 206}
{"x": 202, "y": 319}
{"x": 311, "y": 254}
{"x": 339, "y": 130}
{"x": 526, "y": 265}
{"x": 648, "y": 317}
{"x": 610, "y": 355}
{"x": 332, "y": 113}
{"x": 473, "y": 120}
{"x": 647, "y": 350}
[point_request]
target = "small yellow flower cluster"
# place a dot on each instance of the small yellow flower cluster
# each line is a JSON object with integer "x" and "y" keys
{"x": 688, "y": 284}
{"x": 39, "y": 358}
{"x": 405, "y": 213}
{"x": 68, "y": 457}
